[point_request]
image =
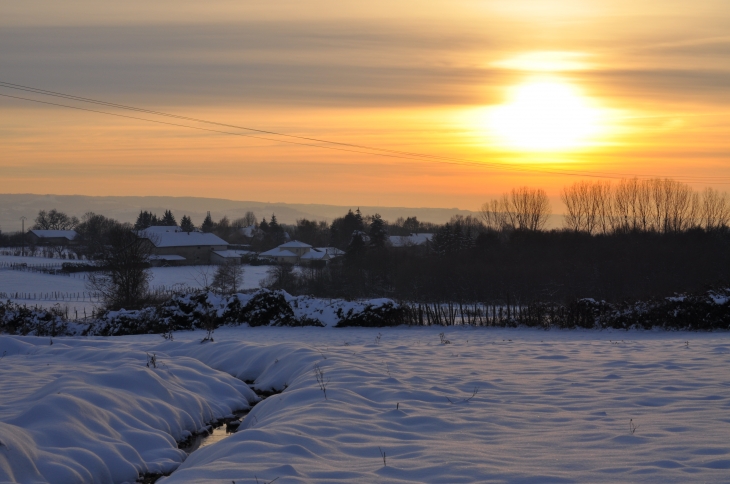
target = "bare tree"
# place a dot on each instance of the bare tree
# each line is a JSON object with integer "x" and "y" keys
{"x": 656, "y": 205}
{"x": 246, "y": 221}
{"x": 714, "y": 211}
{"x": 54, "y": 220}
{"x": 228, "y": 278}
{"x": 281, "y": 276}
{"x": 124, "y": 279}
{"x": 526, "y": 208}
{"x": 493, "y": 216}
{"x": 589, "y": 207}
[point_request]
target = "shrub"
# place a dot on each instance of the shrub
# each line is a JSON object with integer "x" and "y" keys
{"x": 384, "y": 313}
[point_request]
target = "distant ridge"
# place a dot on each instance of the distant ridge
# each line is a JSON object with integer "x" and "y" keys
{"x": 126, "y": 209}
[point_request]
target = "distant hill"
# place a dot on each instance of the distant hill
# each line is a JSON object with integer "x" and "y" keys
{"x": 126, "y": 209}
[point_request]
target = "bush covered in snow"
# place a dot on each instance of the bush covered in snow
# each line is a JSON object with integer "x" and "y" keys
{"x": 204, "y": 310}
{"x": 377, "y": 313}
{"x": 17, "y": 319}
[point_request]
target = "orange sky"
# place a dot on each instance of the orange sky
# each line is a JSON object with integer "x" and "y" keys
{"x": 411, "y": 76}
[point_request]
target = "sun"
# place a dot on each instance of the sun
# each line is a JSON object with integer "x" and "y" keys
{"x": 544, "y": 115}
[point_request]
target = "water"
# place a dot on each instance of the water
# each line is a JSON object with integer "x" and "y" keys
{"x": 215, "y": 434}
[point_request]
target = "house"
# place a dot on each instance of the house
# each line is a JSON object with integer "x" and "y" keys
{"x": 194, "y": 247}
{"x": 280, "y": 256}
{"x": 51, "y": 237}
{"x": 224, "y": 256}
{"x": 299, "y": 252}
{"x": 411, "y": 240}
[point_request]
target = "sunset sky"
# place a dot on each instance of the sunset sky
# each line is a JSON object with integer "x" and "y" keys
{"x": 497, "y": 93}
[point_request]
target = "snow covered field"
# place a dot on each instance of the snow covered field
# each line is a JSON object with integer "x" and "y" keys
{"x": 553, "y": 406}
{"x": 46, "y": 290}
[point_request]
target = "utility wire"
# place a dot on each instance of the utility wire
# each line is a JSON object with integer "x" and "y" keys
{"x": 320, "y": 143}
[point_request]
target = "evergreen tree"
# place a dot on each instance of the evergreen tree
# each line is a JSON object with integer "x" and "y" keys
{"x": 274, "y": 224}
{"x": 342, "y": 228}
{"x": 208, "y": 224}
{"x": 355, "y": 249}
{"x": 146, "y": 219}
{"x": 378, "y": 232}
{"x": 168, "y": 219}
{"x": 186, "y": 224}
{"x": 264, "y": 226}
{"x": 276, "y": 231}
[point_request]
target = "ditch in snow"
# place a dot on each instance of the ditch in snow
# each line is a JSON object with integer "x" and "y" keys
{"x": 214, "y": 432}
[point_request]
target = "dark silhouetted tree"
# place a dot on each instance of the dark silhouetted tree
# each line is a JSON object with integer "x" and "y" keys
{"x": 54, "y": 220}
{"x": 208, "y": 224}
{"x": 186, "y": 224}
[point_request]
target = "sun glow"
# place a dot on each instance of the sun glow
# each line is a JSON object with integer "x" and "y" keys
{"x": 545, "y": 115}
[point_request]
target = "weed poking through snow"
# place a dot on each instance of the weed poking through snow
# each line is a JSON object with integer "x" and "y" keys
{"x": 151, "y": 360}
{"x": 319, "y": 375}
{"x": 377, "y": 339}
{"x": 632, "y": 426}
{"x": 262, "y": 482}
{"x": 464, "y": 400}
{"x": 444, "y": 341}
{"x": 382, "y": 454}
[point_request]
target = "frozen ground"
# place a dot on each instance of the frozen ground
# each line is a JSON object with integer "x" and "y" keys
{"x": 551, "y": 406}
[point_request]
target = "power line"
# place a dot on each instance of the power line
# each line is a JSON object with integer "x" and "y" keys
{"x": 319, "y": 142}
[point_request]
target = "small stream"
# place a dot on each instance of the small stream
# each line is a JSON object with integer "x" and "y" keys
{"x": 215, "y": 432}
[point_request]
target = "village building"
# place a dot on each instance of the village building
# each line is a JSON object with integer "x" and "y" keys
{"x": 411, "y": 240}
{"x": 193, "y": 247}
{"x": 51, "y": 237}
{"x": 299, "y": 252}
{"x": 230, "y": 255}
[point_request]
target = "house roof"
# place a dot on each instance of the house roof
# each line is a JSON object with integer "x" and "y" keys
{"x": 249, "y": 231}
{"x": 295, "y": 244}
{"x": 409, "y": 240}
{"x": 315, "y": 255}
{"x": 232, "y": 254}
{"x": 182, "y": 239}
{"x": 47, "y": 234}
{"x": 170, "y": 257}
{"x": 276, "y": 252}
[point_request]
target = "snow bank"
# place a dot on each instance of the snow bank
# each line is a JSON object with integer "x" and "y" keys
{"x": 98, "y": 413}
{"x": 550, "y": 407}
{"x": 400, "y": 406}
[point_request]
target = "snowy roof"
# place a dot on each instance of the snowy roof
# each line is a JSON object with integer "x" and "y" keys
{"x": 232, "y": 254}
{"x": 409, "y": 240}
{"x": 163, "y": 228}
{"x": 315, "y": 255}
{"x": 295, "y": 244}
{"x": 276, "y": 252}
{"x": 182, "y": 239}
{"x": 47, "y": 234}
{"x": 249, "y": 231}
{"x": 169, "y": 257}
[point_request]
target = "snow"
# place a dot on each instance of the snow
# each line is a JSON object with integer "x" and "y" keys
{"x": 199, "y": 276}
{"x": 233, "y": 254}
{"x": 409, "y": 240}
{"x": 34, "y": 261}
{"x": 277, "y": 252}
{"x": 65, "y": 234}
{"x": 183, "y": 239}
{"x": 295, "y": 244}
{"x": 94, "y": 412}
{"x": 551, "y": 406}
